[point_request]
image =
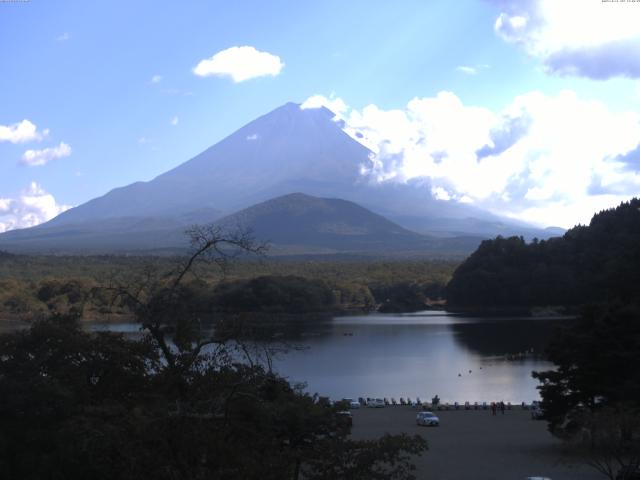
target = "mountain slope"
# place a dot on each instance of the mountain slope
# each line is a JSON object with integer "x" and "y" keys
{"x": 294, "y": 224}
{"x": 302, "y": 223}
{"x": 287, "y": 150}
{"x": 263, "y": 159}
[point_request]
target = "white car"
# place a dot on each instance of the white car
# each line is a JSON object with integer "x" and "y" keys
{"x": 354, "y": 404}
{"x": 375, "y": 403}
{"x": 427, "y": 419}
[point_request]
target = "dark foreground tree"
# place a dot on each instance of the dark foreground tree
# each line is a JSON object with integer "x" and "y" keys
{"x": 592, "y": 398}
{"x": 597, "y": 366}
{"x": 610, "y": 440}
{"x": 79, "y": 405}
{"x": 181, "y": 403}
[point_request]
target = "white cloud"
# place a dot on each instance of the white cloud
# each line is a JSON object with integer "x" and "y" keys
{"x": 467, "y": 70}
{"x": 545, "y": 159}
{"x": 32, "y": 207}
{"x": 34, "y": 158}
{"x": 21, "y": 132}
{"x": 440, "y": 193}
{"x": 156, "y": 79}
{"x": 174, "y": 121}
{"x": 588, "y": 38}
{"x": 240, "y": 64}
{"x": 336, "y": 105}
{"x": 64, "y": 37}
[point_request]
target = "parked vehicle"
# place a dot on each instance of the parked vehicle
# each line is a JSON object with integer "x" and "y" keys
{"x": 375, "y": 403}
{"x": 427, "y": 419}
{"x": 537, "y": 413}
{"x": 354, "y": 404}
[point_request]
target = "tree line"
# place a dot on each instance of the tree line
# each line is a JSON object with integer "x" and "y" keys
{"x": 41, "y": 285}
{"x": 594, "y": 263}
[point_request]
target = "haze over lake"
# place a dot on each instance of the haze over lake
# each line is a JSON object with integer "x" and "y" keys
{"x": 418, "y": 354}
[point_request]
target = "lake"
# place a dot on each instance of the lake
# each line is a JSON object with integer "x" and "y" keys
{"x": 459, "y": 358}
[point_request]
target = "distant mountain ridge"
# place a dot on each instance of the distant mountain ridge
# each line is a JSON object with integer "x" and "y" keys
{"x": 287, "y": 150}
{"x": 293, "y": 225}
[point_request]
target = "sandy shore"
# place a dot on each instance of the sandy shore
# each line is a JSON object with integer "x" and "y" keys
{"x": 474, "y": 445}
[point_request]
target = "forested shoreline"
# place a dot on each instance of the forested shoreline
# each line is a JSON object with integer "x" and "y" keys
{"x": 36, "y": 286}
{"x": 595, "y": 263}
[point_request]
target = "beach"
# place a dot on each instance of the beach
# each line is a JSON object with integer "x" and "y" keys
{"x": 475, "y": 445}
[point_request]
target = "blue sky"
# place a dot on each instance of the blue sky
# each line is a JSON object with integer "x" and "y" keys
{"x": 113, "y": 84}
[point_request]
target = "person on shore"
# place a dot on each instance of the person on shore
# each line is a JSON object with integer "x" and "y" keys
{"x": 502, "y": 407}
{"x": 493, "y": 408}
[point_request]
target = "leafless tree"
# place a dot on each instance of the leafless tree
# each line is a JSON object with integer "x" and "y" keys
{"x": 160, "y": 303}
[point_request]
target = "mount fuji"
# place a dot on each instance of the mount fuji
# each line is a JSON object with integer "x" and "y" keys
{"x": 288, "y": 150}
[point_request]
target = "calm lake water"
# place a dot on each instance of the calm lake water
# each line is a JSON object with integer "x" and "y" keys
{"x": 459, "y": 358}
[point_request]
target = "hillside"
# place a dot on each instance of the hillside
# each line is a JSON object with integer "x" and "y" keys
{"x": 293, "y": 225}
{"x": 299, "y": 223}
{"x": 598, "y": 262}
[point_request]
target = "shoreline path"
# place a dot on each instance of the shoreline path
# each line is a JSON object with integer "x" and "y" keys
{"x": 475, "y": 445}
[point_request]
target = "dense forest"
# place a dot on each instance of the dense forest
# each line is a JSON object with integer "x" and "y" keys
{"x": 598, "y": 262}
{"x": 35, "y": 286}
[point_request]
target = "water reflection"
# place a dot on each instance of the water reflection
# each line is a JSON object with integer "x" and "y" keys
{"x": 460, "y": 358}
{"x": 491, "y": 337}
